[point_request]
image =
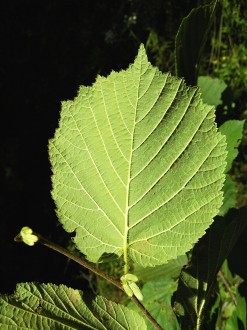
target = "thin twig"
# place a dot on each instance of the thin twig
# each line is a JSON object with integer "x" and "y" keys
{"x": 92, "y": 268}
{"x": 80, "y": 261}
{"x": 228, "y": 287}
{"x": 146, "y": 313}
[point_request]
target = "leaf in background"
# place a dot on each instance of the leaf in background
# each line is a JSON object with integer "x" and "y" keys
{"x": 231, "y": 307}
{"x": 211, "y": 89}
{"x": 230, "y": 196}
{"x": 157, "y": 300}
{"x": 170, "y": 270}
{"x": 48, "y": 306}
{"x": 190, "y": 41}
{"x": 233, "y": 130}
{"x": 197, "y": 280}
{"x": 137, "y": 166}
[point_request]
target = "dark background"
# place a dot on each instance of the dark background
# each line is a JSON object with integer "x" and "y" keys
{"x": 48, "y": 49}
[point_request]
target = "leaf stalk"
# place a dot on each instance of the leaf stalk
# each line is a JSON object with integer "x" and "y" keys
{"x": 44, "y": 241}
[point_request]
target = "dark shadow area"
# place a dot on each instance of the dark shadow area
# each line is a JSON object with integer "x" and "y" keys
{"x": 48, "y": 49}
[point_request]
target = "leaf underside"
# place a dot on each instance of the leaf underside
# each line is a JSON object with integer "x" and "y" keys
{"x": 48, "y": 306}
{"x": 137, "y": 166}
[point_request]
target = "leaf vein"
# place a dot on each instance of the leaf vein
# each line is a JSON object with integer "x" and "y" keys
{"x": 176, "y": 193}
{"x": 87, "y": 193}
{"x": 97, "y": 170}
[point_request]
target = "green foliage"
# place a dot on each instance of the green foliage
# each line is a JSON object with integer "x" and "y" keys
{"x": 48, "y": 306}
{"x": 228, "y": 59}
{"x": 212, "y": 89}
{"x": 197, "y": 280}
{"x": 230, "y": 195}
{"x": 138, "y": 168}
{"x": 160, "y": 49}
{"x": 229, "y": 305}
{"x": 157, "y": 300}
{"x": 188, "y": 50}
{"x": 130, "y": 286}
{"x": 233, "y": 130}
{"x": 170, "y": 270}
{"x": 160, "y": 284}
{"x": 122, "y": 188}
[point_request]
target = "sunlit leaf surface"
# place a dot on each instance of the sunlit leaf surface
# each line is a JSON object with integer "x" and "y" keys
{"x": 137, "y": 166}
{"x": 48, "y": 306}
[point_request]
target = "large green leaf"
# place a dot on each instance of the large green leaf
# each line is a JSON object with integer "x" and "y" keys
{"x": 48, "y": 306}
{"x": 137, "y": 166}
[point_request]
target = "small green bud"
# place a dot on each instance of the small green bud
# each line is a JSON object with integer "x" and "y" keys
{"x": 128, "y": 290}
{"x": 28, "y": 237}
{"x": 130, "y": 277}
{"x": 130, "y": 287}
{"x": 136, "y": 290}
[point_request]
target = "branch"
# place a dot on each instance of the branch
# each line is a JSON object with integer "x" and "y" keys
{"x": 44, "y": 241}
{"x": 227, "y": 286}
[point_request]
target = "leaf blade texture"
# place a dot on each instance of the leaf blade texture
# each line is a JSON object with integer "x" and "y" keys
{"x": 48, "y": 306}
{"x": 137, "y": 166}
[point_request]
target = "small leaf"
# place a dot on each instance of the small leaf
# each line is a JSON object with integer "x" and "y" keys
{"x": 233, "y": 130}
{"x": 48, "y": 306}
{"x": 212, "y": 89}
{"x": 230, "y": 196}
